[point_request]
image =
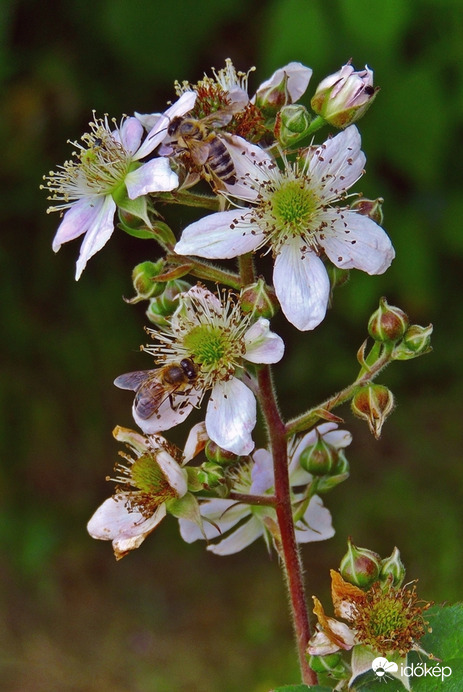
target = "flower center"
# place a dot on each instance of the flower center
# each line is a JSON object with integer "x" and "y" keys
{"x": 211, "y": 348}
{"x": 148, "y": 477}
{"x": 294, "y": 206}
{"x": 386, "y": 618}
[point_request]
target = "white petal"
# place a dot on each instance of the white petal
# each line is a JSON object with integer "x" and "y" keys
{"x": 317, "y": 523}
{"x": 98, "y": 233}
{"x": 321, "y": 645}
{"x": 356, "y": 242}
{"x": 219, "y": 236}
{"x": 196, "y": 441}
{"x": 239, "y": 539}
{"x": 338, "y": 163}
{"x": 231, "y": 416}
{"x": 77, "y": 220}
{"x": 176, "y": 476}
{"x": 302, "y": 285}
{"x": 220, "y": 515}
{"x": 127, "y": 529}
{"x": 167, "y": 415}
{"x": 249, "y": 161}
{"x": 262, "y": 345}
{"x": 262, "y": 472}
{"x": 154, "y": 176}
{"x": 298, "y": 79}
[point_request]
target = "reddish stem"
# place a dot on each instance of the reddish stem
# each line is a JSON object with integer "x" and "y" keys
{"x": 289, "y": 548}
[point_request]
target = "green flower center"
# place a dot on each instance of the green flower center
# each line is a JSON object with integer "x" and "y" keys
{"x": 147, "y": 476}
{"x": 387, "y": 617}
{"x": 294, "y": 205}
{"x": 212, "y": 349}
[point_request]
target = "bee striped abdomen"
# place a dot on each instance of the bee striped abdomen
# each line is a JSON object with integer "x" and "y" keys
{"x": 220, "y": 162}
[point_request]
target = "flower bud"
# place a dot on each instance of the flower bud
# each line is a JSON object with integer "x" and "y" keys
{"x": 416, "y": 342}
{"x": 143, "y": 279}
{"x": 338, "y": 277}
{"x": 291, "y": 124}
{"x": 373, "y": 403}
{"x": 272, "y": 98}
{"x": 392, "y": 569}
{"x": 360, "y": 566}
{"x": 220, "y": 456}
{"x": 166, "y": 303}
{"x": 387, "y": 323}
{"x": 339, "y": 474}
{"x": 330, "y": 664}
{"x": 259, "y": 299}
{"x": 373, "y": 208}
{"x": 320, "y": 459}
{"x": 210, "y": 474}
{"x": 343, "y": 97}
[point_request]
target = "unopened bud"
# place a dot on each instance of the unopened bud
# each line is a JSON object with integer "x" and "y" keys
{"x": 373, "y": 403}
{"x": 343, "y": 97}
{"x": 216, "y": 454}
{"x": 291, "y": 124}
{"x": 210, "y": 474}
{"x": 166, "y": 303}
{"x": 360, "y": 566}
{"x": 331, "y": 664}
{"x": 392, "y": 569}
{"x": 320, "y": 459}
{"x": 387, "y": 323}
{"x": 416, "y": 342}
{"x": 270, "y": 99}
{"x": 339, "y": 474}
{"x": 373, "y": 208}
{"x": 143, "y": 279}
{"x": 259, "y": 299}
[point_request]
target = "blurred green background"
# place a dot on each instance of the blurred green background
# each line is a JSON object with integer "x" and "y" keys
{"x": 171, "y": 617}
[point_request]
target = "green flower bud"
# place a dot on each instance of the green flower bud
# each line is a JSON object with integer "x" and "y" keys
{"x": 291, "y": 124}
{"x": 416, "y": 342}
{"x": 387, "y": 323}
{"x": 259, "y": 299}
{"x": 373, "y": 403}
{"x": 373, "y": 208}
{"x": 330, "y": 664}
{"x": 166, "y": 303}
{"x": 360, "y": 566}
{"x": 143, "y": 279}
{"x": 220, "y": 456}
{"x": 339, "y": 474}
{"x": 210, "y": 474}
{"x": 272, "y": 98}
{"x": 392, "y": 569}
{"x": 319, "y": 459}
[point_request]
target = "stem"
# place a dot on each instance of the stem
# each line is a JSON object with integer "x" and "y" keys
{"x": 263, "y": 500}
{"x": 308, "y": 419}
{"x": 203, "y": 270}
{"x": 289, "y": 549}
{"x": 247, "y": 273}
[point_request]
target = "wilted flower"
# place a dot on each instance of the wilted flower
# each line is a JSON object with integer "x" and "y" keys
{"x": 239, "y": 524}
{"x": 214, "y": 338}
{"x": 293, "y": 212}
{"x": 107, "y": 174}
{"x": 151, "y": 483}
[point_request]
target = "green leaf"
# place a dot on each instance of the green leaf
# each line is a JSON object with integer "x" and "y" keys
{"x": 301, "y": 688}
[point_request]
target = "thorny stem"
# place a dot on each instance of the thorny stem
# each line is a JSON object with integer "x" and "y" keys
{"x": 367, "y": 373}
{"x": 288, "y": 549}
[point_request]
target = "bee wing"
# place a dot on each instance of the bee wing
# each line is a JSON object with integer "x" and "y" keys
{"x": 133, "y": 380}
{"x": 218, "y": 119}
{"x": 199, "y": 151}
{"x": 149, "y": 398}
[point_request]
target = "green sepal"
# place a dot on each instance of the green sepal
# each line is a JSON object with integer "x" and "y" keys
{"x": 186, "y": 507}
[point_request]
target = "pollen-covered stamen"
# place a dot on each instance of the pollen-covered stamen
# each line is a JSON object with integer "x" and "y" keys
{"x": 101, "y": 165}
{"x": 390, "y": 619}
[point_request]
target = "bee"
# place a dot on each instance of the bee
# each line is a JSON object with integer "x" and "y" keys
{"x": 154, "y": 387}
{"x": 205, "y": 147}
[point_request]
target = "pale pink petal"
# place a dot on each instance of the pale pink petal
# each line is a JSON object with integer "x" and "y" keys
{"x": 131, "y": 133}
{"x": 262, "y": 345}
{"x": 298, "y": 79}
{"x": 219, "y": 236}
{"x": 354, "y": 241}
{"x": 196, "y": 440}
{"x": 338, "y": 163}
{"x": 167, "y": 415}
{"x": 154, "y": 176}
{"x": 321, "y": 645}
{"x": 159, "y": 131}
{"x": 231, "y": 416}
{"x": 262, "y": 472}
{"x": 250, "y": 162}
{"x": 77, "y": 220}
{"x": 239, "y": 539}
{"x": 301, "y": 284}
{"x": 98, "y": 233}
{"x": 176, "y": 476}
{"x": 317, "y": 524}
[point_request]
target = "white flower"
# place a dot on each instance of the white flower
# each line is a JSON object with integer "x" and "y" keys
{"x": 148, "y": 482}
{"x": 237, "y": 525}
{"x": 294, "y": 77}
{"x": 293, "y": 212}
{"x": 107, "y": 174}
{"x": 212, "y": 338}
